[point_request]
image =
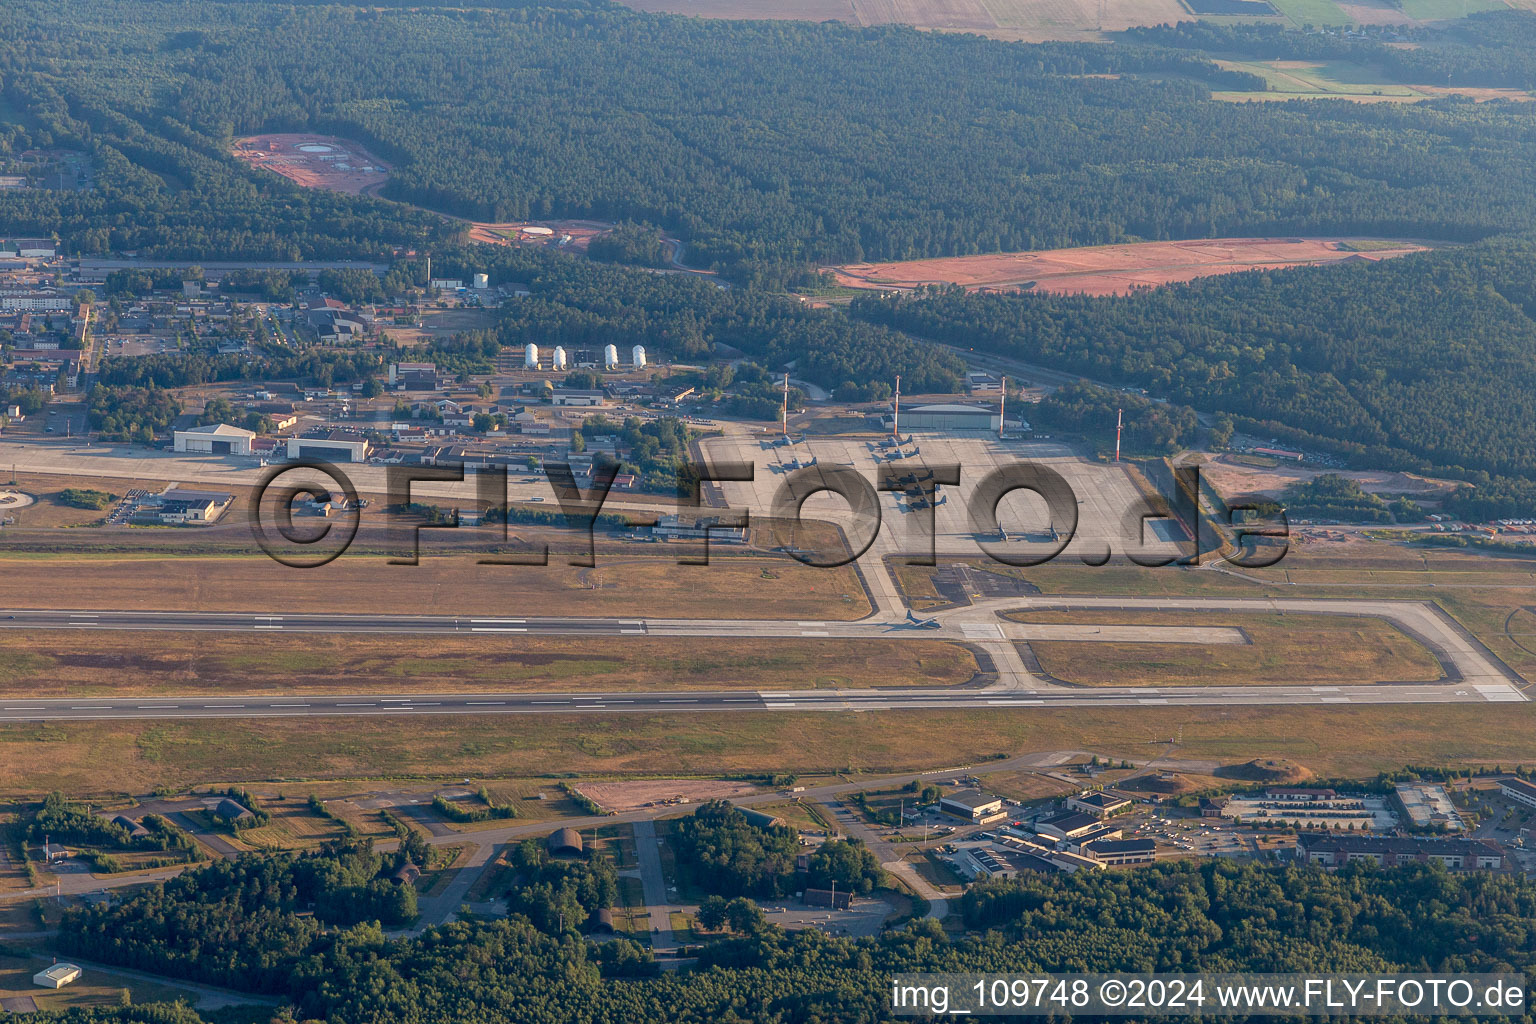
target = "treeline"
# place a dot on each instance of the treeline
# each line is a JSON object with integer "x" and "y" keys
{"x": 578, "y": 304}
{"x": 1159, "y": 428}
{"x": 719, "y": 132}
{"x": 1212, "y": 915}
{"x": 1425, "y": 363}
{"x": 245, "y": 923}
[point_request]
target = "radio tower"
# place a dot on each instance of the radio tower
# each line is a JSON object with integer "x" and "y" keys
{"x": 1119, "y": 421}
{"x": 784, "y": 415}
{"x": 896, "y": 414}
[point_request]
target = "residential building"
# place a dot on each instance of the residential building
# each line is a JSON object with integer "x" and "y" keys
{"x": 1333, "y": 851}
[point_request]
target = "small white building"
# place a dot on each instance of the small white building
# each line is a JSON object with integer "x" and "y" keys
{"x": 57, "y": 976}
{"x": 972, "y": 805}
{"x": 215, "y": 438}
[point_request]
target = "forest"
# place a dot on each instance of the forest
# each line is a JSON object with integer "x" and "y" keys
{"x": 1214, "y": 915}
{"x": 1425, "y": 363}
{"x": 719, "y": 132}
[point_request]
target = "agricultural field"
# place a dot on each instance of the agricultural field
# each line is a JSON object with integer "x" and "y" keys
{"x": 1041, "y": 20}
{"x": 1282, "y": 649}
{"x": 1112, "y": 269}
{"x": 1340, "y": 79}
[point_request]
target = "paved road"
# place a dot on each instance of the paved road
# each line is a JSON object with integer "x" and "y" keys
{"x": 659, "y": 910}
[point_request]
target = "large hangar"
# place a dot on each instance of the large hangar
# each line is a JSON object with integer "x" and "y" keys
{"x": 329, "y": 448}
{"x": 951, "y": 417}
{"x": 215, "y": 439}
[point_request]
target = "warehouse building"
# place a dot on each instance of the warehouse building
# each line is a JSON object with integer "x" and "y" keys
{"x": 215, "y": 439}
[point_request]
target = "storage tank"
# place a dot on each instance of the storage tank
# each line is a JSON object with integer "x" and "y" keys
{"x": 638, "y": 356}
{"x": 611, "y": 357}
{"x": 530, "y": 356}
{"x": 559, "y": 358}
{"x": 482, "y": 282}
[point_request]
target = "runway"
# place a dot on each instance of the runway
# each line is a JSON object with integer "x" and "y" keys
{"x": 19, "y": 709}
{"x": 1471, "y": 674}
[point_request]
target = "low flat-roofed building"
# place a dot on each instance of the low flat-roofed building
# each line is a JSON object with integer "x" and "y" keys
{"x": 972, "y": 805}
{"x": 574, "y": 397}
{"x": 1122, "y": 851}
{"x": 1391, "y": 851}
{"x": 57, "y": 976}
{"x": 1100, "y": 803}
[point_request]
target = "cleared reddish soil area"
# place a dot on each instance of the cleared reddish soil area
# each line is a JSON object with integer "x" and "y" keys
{"x": 316, "y": 161}
{"x": 1111, "y": 269}
{"x": 570, "y": 234}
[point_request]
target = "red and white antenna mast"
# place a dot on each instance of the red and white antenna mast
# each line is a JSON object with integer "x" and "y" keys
{"x": 784, "y": 416}
{"x": 896, "y": 415}
{"x": 1119, "y": 422}
{"x": 1002, "y": 409}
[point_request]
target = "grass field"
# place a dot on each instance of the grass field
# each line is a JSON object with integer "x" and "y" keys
{"x": 1284, "y": 649}
{"x": 95, "y": 987}
{"x": 1342, "y": 79}
{"x": 653, "y": 586}
{"x": 1312, "y": 12}
{"x": 137, "y": 757}
{"x": 63, "y": 663}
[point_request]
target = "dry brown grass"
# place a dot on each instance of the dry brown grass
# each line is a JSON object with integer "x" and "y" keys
{"x": 96, "y": 757}
{"x": 64, "y": 663}
{"x": 1284, "y": 649}
{"x": 655, "y": 587}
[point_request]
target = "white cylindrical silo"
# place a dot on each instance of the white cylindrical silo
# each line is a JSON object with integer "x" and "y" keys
{"x": 611, "y": 357}
{"x": 638, "y": 356}
{"x": 559, "y": 358}
{"x": 530, "y": 356}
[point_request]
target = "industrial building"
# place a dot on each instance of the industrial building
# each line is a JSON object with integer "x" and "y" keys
{"x": 329, "y": 446}
{"x": 1392, "y": 851}
{"x": 973, "y": 805}
{"x": 215, "y": 439}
